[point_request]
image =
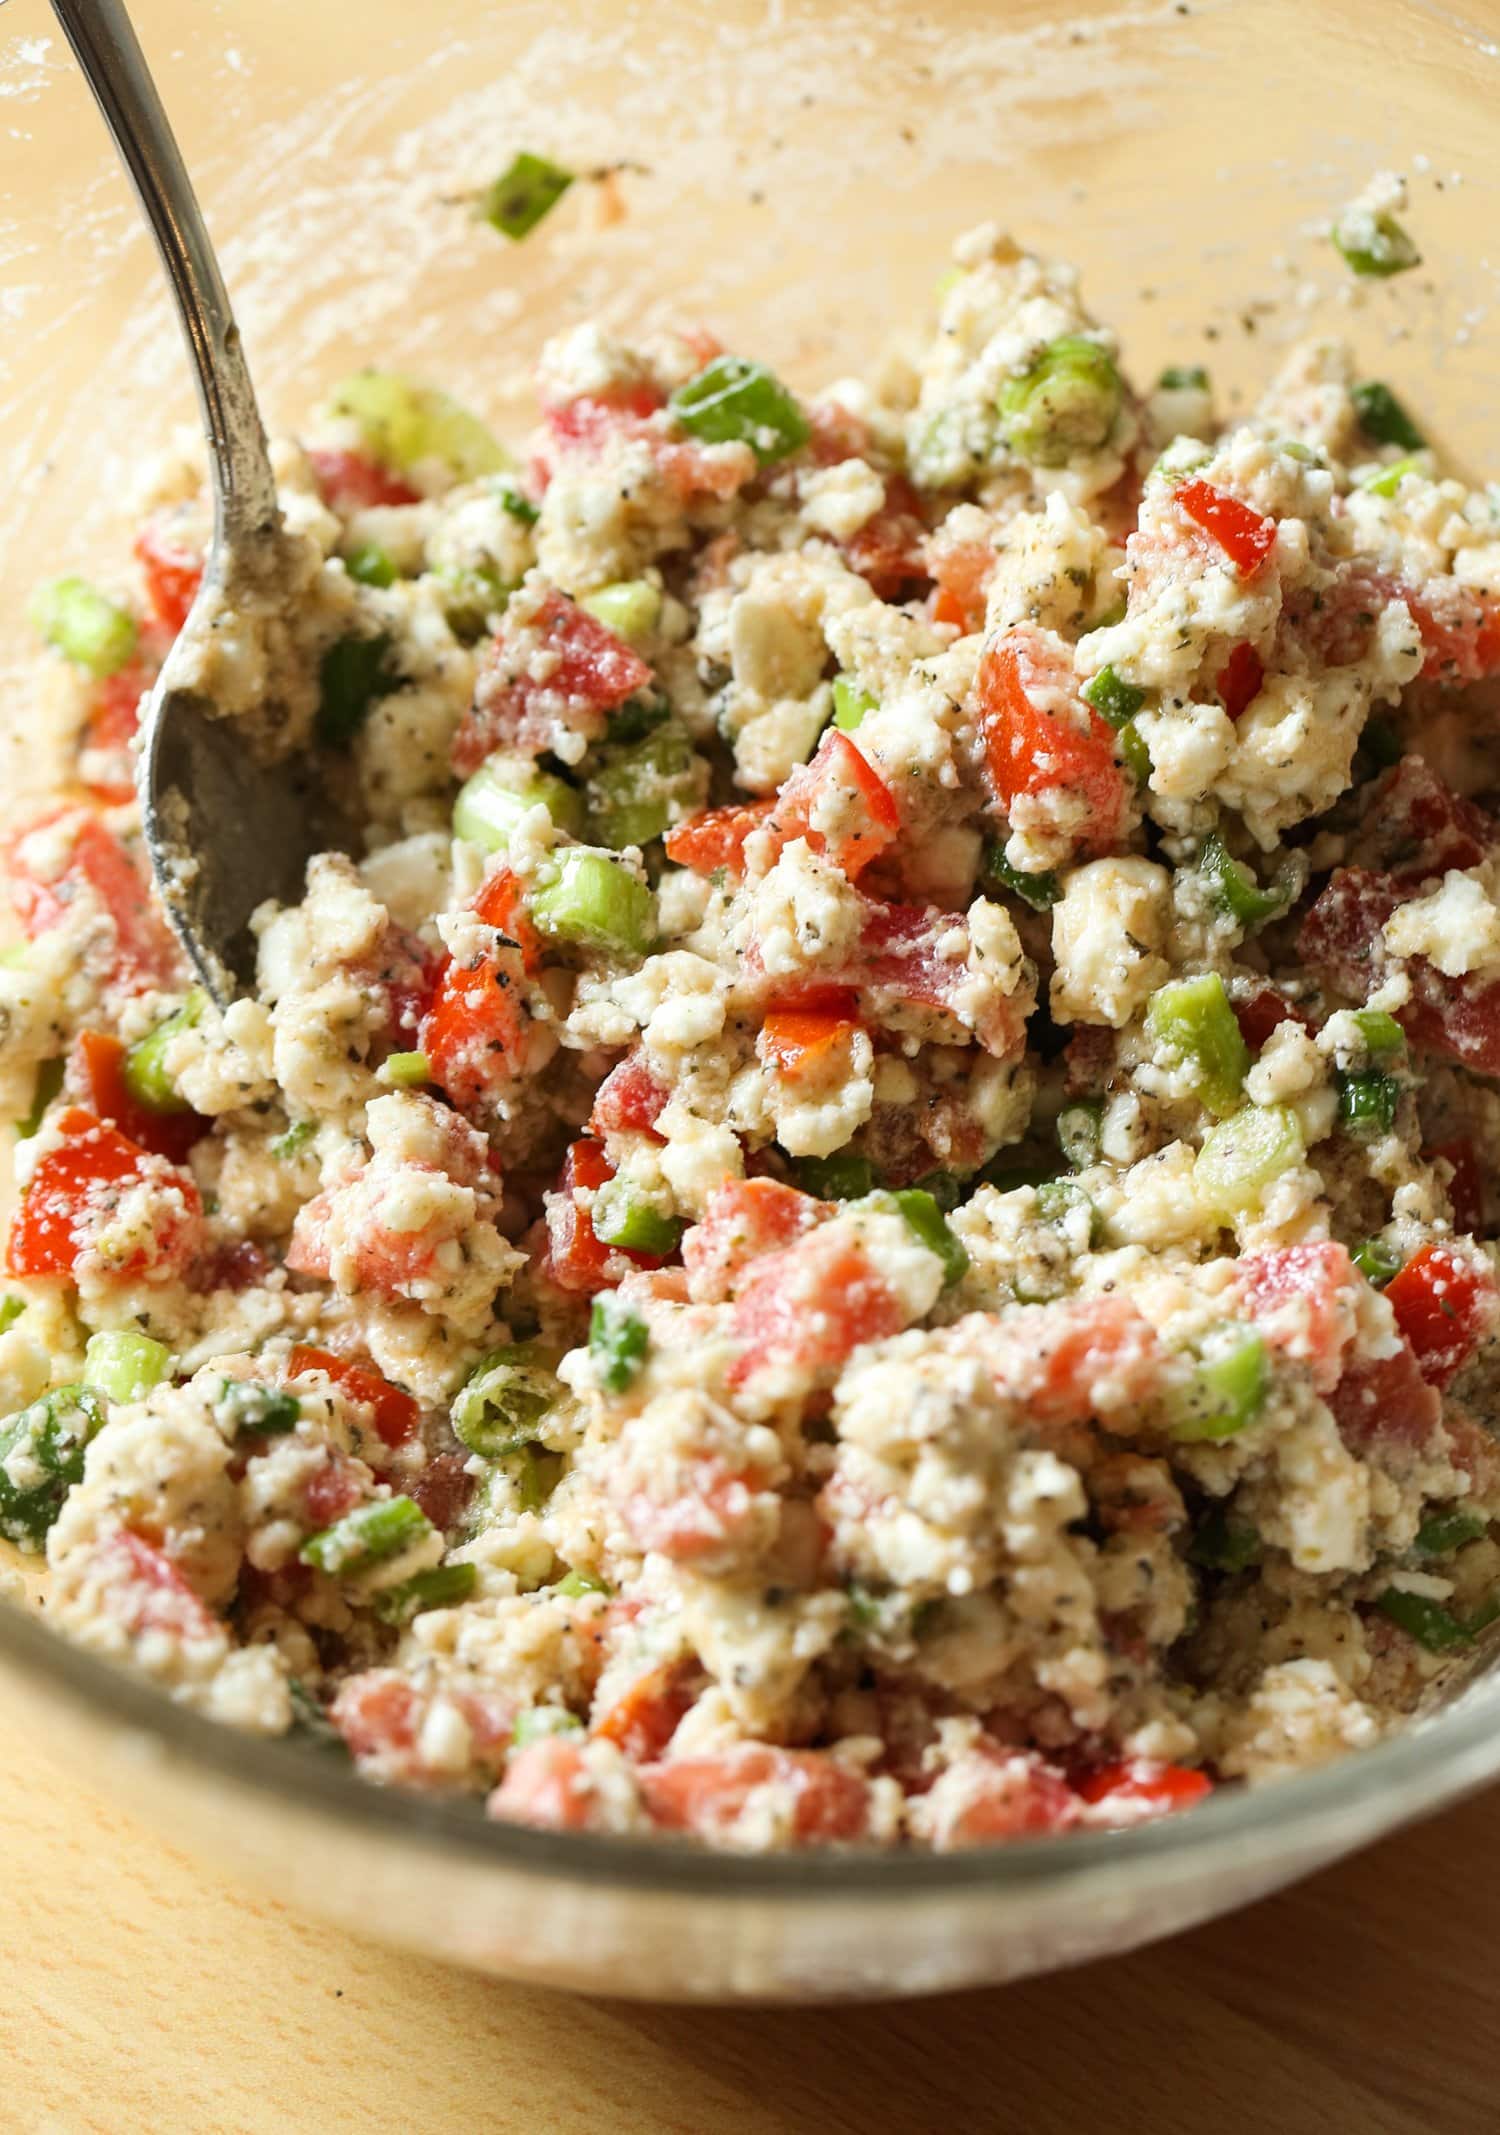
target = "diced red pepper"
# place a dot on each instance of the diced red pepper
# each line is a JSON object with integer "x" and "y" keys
{"x": 74, "y": 1189}
{"x": 1245, "y": 536}
{"x": 1142, "y": 1787}
{"x": 840, "y": 804}
{"x": 555, "y": 666}
{"x": 962, "y": 571}
{"x": 98, "y": 1075}
{"x": 97, "y": 865}
{"x": 800, "y": 1037}
{"x": 173, "y": 573}
{"x": 1032, "y": 750}
{"x": 350, "y": 482}
{"x": 717, "y": 837}
{"x": 1460, "y": 629}
{"x": 396, "y": 1413}
{"x": 1004, "y": 1794}
{"x": 547, "y": 1785}
{"x": 114, "y": 717}
{"x": 805, "y": 1308}
{"x": 477, "y": 1019}
{"x": 576, "y": 1259}
{"x": 1444, "y": 1302}
{"x": 1240, "y": 679}
{"x": 903, "y": 964}
{"x": 146, "y": 1592}
{"x": 644, "y": 1718}
{"x": 705, "y": 1795}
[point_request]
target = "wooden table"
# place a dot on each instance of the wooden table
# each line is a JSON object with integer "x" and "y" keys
{"x": 143, "y": 1998}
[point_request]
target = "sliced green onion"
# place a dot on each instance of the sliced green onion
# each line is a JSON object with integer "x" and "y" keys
{"x": 575, "y": 1584}
{"x": 491, "y": 804}
{"x": 472, "y": 595}
{"x": 1423, "y": 1619}
{"x": 539, "y": 1722}
{"x": 1226, "y": 1392}
{"x": 259, "y": 1411}
{"x": 1235, "y": 890}
{"x": 353, "y": 675}
{"x": 1376, "y": 1262}
{"x": 1382, "y": 417}
{"x": 1382, "y": 1033}
{"x": 83, "y": 625}
{"x": 1040, "y": 891}
{"x": 1080, "y": 1126}
{"x": 1389, "y": 479}
{"x": 1193, "y": 1018}
{"x": 145, "y": 1069}
{"x": 944, "y": 1187}
{"x": 636, "y": 717}
{"x": 49, "y": 1082}
{"x": 1367, "y": 1105}
{"x": 125, "y": 1367}
{"x": 1222, "y": 1543}
{"x": 519, "y": 506}
{"x": 368, "y": 564}
{"x": 1065, "y": 403}
{"x": 403, "y": 423}
{"x": 1183, "y": 378}
{"x": 1056, "y": 1200}
{"x": 642, "y": 787}
{"x": 444, "y": 1587}
{"x": 295, "y": 1140}
{"x": 1245, "y": 1155}
{"x": 1375, "y": 245}
{"x": 370, "y": 1535}
{"x": 518, "y": 199}
{"x": 739, "y": 403}
{"x": 535, "y": 1472}
{"x": 618, "y": 1343}
{"x": 1134, "y": 753}
{"x": 502, "y": 1402}
{"x": 41, "y": 1458}
{"x": 1443, "y": 1532}
{"x": 622, "y": 1216}
{"x": 590, "y": 898}
{"x": 1115, "y": 700}
{"x": 404, "y": 1071}
{"x": 928, "y": 1225}
{"x": 851, "y": 703}
{"x": 11, "y": 1308}
{"x": 844, "y": 1176}
{"x": 631, "y": 608}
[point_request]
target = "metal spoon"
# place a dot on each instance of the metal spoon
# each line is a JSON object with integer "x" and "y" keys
{"x": 224, "y": 831}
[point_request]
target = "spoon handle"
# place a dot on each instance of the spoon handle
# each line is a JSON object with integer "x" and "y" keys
{"x": 104, "y": 44}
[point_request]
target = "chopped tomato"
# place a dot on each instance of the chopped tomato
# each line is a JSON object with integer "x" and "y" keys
{"x": 717, "y": 837}
{"x": 825, "y": 1801}
{"x": 350, "y": 482}
{"x": 395, "y": 1412}
{"x": 718, "y": 1510}
{"x": 887, "y": 550}
{"x": 443, "y": 1489}
{"x": 805, "y": 1308}
{"x": 555, "y": 666}
{"x": 381, "y": 1715}
{"x": 98, "y": 1076}
{"x": 643, "y": 1720}
{"x": 146, "y": 1592}
{"x": 1245, "y": 536}
{"x": 840, "y": 804}
{"x": 547, "y": 1784}
{"x": 803, "y": 1037}
{"x": 838, "y": 434}
{"x": 1415, "y": 827}
{"x": 1240, "y": 679}
{"x": 75, "y": 1189}
{"x": 114, "y": 716}
{"x": 576, "y": 1260}
{"x": 589, "y": 422}
{"x": 334, "y": 1487}
{"x": 173, "y": 574}
{"x": 1460, "y": 629}
{"x": 904, "y": 964}
{"x": 1072, "y": 1351}
{"x": 1385, "y": 1401}
{"x": 473, "y": 1029}
{"x": 1466, "y": 1186}
{"x": 1041, "y": 739}
{"x": 630, "y": 1100}
{"x": 1304, "y": 1299}
{"x": 1142, "y": 1787}
{"x": 745, "y": 1219}
{"x": 98, "y": 867}
{"x": 996, "y": 1794}
{"x": 962, "y": 571}
{"x": 1444, "y": 1302}
{"x": 1262, "y": 1010}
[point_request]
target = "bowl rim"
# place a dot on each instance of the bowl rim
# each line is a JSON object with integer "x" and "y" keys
{"x": 1430, "y": 1763}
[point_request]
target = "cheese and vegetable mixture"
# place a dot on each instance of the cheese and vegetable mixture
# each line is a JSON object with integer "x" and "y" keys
{"x": 865, "y": 1215}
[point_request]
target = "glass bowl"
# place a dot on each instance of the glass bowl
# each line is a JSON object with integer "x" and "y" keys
{"x": 790, "y": 172}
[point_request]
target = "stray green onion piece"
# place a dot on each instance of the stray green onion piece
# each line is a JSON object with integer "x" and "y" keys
{"x": 1235, "y": 890}
{"x": 928, "y": 1225}
{"x": 405, "y": 1071}
{"x": 1193, "y": 1019}
{"x": 145, "y": 1068}
{"x": 622, "y": 1216}
{"x": 518, "y": 505}
{"x": 618, "y": 1345}
{"x": 737, "y": 403}
{"x": 352, "y": 675}
{"x": 11, "y": 1308}
{"x": 402, "y": 423}
{"x": 1080, "y": 1126}
{"x": 1066, "y": 403}
{"x": 631, "y": 608}
{"x": 590, "y": 898}
{"x": 1382, "y": 417}
{"x": 369, "y": 565}
{"x": 49, "y": 1081}
{"x": 1244, "y": 1156}
{"x": 538, "y": 1722}
{"x": 259, "y": 1411}
{"x": 1040, "y": 891}
{"x": 1424, "y": 1619}
{"x": 575, "y": 1584}
{"x": 1226, "y": 1392}
{"x": 1183, "y": 378}
{"x": 294, "y": 1141}
{"x": 1388, "y": 480}
{"x": 850, "y": 703}
{"x": 844, "y": 1176}
{"x": 370, "y": 1535}
{"x": 1376, "y": 1262}
{"x": 1443, "y": 1532}
{"x": 1367, "y": 1105}
{"x": 1056, "y": 1200}
{"x": 502, "y": 1402}
{"x": 443, "y": 1587}
{"x": 1382, "y": 1033}
{"x": 84, "y": 625}
{"x": 491, "y": 804}
{"x": 41, "y": 1458}
{"x": 519, "y": 198}
{"x": 125, "y": 1367}
{"x": 1375, "y": 245}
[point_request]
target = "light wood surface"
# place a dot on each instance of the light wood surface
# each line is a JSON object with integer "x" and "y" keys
{"x": 145, "y": 1998}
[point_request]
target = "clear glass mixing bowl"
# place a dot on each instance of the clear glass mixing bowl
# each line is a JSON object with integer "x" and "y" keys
{"x": 791, "y": 172}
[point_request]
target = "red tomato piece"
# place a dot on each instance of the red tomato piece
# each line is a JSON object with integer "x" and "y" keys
{"x": 98, "y": 1074}
{"x": 173, "y": 573}
{"x": 588, "y": 423}
{"x": 1041, "y": 738}
{"x": 553, "y": 665}
{"x": 547, "y": 1784}
{"x": 745, "y": 1219}
{"x": 575, "y": 1258}
{"x": 1444, "y": 1302}
{"x": 1240, "y": 679}
{"x": 801, "y": 1037}
{"x": 1460, "y": 629}
{"x": 1466, "y": 1187}
{"x": 805, "y": 1308}
{"x": 474, "y": 1026}
{"x": 706, "y": 1795}
{"x": 1341, "y": 938}
{"x": 643, "y": 1720}
{"x": 717, "y": 837}
{"x": 1072, "y": 1350}
{"x": 1385, "y": 1401}
{"x": 350, "y": 482}
{"x": 887, "y": 551}
{"x": 718, "y": 1510}
{"x": 962, "y": 571}
{"x": 1415, "y": 827}
{"x": 1304, "y": 1299}
{"x": 396, "y": 1414}
{"x": 838, "y": 434}
{"x": 76, "y": 1187}
{"x": 902, "y": 964}
{"x": 630, "y": 1100}
{"x": 998, "y": 1794}
{"x": 1263, "y": 1010}
{"x": 146, "y": 1591}
{"x": 1245, "y": 536}
{"x": 840, "y": 804}
{"x": 1142, "y": 1787}
{"x": 333, "y": 1488}
{"x": 98, "y": 866}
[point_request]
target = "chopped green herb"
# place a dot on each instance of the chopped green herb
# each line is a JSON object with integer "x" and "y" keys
{"x": 734, "y": 402}
{"x": 1040, "y": 891}
{"x": 618, "y": 1343}
{"x": 41, "y": 1458}
{"x": 353, "y": 675}
{"x": 84, "y": 626}
{"x": 519, "y": 198}
{"x": 1382, "y": 417}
